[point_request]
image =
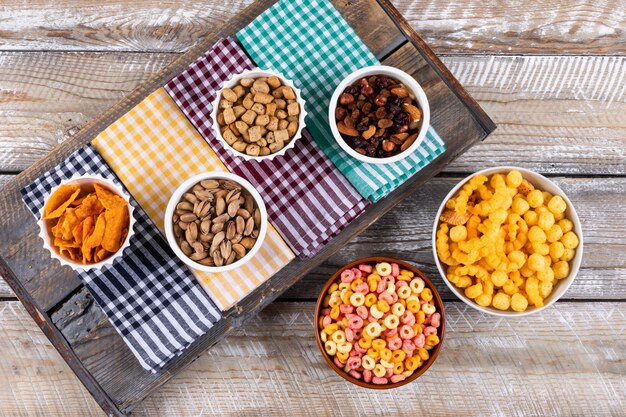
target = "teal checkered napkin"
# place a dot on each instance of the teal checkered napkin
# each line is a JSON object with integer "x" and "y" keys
{"x": 310, "y": 43}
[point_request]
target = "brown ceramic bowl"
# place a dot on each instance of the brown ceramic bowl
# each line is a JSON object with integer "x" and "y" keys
{"x": 433, "y": 352}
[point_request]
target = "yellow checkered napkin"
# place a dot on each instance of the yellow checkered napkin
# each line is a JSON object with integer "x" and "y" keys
{"x": 152, "y": 149}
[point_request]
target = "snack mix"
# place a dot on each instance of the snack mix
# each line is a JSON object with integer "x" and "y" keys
{"x": 259, "y": 116}
{"x": 216, "y": 222}
{"x": 505, "y": 242}
{"x": 88, "y": 223}
{"x": 378, "y": 116}
{"x": 379, "y": 322}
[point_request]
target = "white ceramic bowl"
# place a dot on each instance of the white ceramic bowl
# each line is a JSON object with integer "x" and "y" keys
{"x": 544, "y": 184}
{"x": 257, "y": 73}
{"x": 405, "y": 79}
{"x": 186, "y": 186}
{"x": 48, "y": 240}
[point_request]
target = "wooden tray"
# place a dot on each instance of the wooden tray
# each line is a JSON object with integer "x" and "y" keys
{"x": 64, "y": 309}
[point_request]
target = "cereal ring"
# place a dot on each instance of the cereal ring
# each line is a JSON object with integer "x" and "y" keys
{"x": 379, "y": 344}
{"x": 386, "y": 297}
{"x": 354, "y": 362}
{"x": 366, "y": 268}
{"x": 356, "y": 374}
{"x": 362, "y": 288}
{"x": 406, "y": 332}
{"x": 430, "y": 330}
{"x": 323, "y": 336}
{"x": 394, "y": 343}
{"x": 419, "y": 340}
{"x": 417, "y": 285}
{"x": 389, "y": 372}
{"x": 379, "y": 380}
{"x": 395, "y": 269}
{"x": 398, "y": 309}
{"x": 373, "y": 329}
{"x": 390, "y": 332}
{"x": 382, "y": 286}
{"x": 408, "y": 318}
{"x": 428, "y": 308}
{"x": 383, "y": 269}
{"x": 347, "y": 309}
{"x": 391, "y": 321}
{"x": 379, "y": 370}
{"x": 326, "y": 321}
{"x": 375, "y": 312}
{"x": 330, "y": 347}
{"x": 367, "y": 375}
{"x": 347, "y": 276}
{"x": 338, "y": 337}
{"x": 355, "y": 322}
{"x": 337, "y": 362}
{"x": 435, "y": 320}
{"x": 357, "y": 299}
{"x": 397, "y": 378}
{"x": 404, "y": 292}
{"x": 349, "y": 334}
{"x": 357, "y": 272}
{"x": 363, "y": 312}
{"x": 408, "y": 345}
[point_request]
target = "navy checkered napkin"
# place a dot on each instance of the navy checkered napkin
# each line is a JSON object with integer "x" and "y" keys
{"x": 150, "y": 297}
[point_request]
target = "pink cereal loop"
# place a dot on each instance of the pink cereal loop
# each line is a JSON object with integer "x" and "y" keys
{"x": 395, "y": 269}
{"x": 367, "y": 375}
{"x": 430, "y": 330}
{"x": 366, "y": 268}
{"x": 357, "y": 273}
{"x": 346, "y": 309}
{"x": 379, "y": 381}
{"x": 406, "y": 332}
{"x": 326, "y": 321}
{"x": 336, "y": 361}
{"x": 382, "y": 286}
{"x": 401, "y": 284}
{"x": 389, "y": 279}
{"x": 371, "y": 318}
{"x": 325, "y": 311}
{"x": 419, "y": 340}
{"x": 395, "y": 343}
{"x": 356, "y": 374}
{"x": 428, "y": 318}
{"x": 435, "y": 320}
{"x": 389, "y": 372}
{"x": 357, "y": 334}
{"x": 354, "y": 362}
{"x": 349, "y": 334}
{"x": 347, "y": 276}
{"x": 363, "y": 288}
{"x": 389, "y": 333}
{"x": 409, "y": 354}
{"x": 355, "y": 322}
{"x": 408, "y": 345}
{"x": 362, "y": 312}
{"x": 397, "y": 378}
{"x": 359, "y": 349}
{"x": 394, "y": 298}
{"x": 408, "y": 318}
{"x": 354, "y": 352}
{"x": 387, "y": 297}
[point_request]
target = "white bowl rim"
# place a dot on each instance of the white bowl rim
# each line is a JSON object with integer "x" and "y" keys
{"x": 563, "y": 284}
{"x": 78, "y": 266}
{"x": 256, "y": 73}
{"x": 403, "y": 77}
{"x": 175, "y": 199}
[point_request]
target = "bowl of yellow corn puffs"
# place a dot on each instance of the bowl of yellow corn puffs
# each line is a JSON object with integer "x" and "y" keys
{"x": 507, "y": 241}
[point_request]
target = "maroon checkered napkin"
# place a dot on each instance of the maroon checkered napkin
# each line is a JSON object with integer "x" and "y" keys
{"x": 308, "y": 200}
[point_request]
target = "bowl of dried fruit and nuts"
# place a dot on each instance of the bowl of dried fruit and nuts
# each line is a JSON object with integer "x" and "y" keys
{"x": 379, "y": 114}
{"x": 258, "y": 114}
{"x": 215, "y": 221}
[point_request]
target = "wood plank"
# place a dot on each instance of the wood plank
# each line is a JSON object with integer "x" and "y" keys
{"x": 561, "y": 27}
{"x": 557, "y": 115}
{"x": 273, "y": 368}
{"x": 34, "y": 378}
{"x": 406, "y": 232}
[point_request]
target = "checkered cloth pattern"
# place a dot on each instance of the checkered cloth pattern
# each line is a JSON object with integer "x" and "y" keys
{"x": 310, "y": 42}
{"x": 308, "y": 199}
{"x": 153, "y": 148}
{"x": 148, "y": 295}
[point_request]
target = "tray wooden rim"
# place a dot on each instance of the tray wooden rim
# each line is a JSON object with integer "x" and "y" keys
{"x": 265, "y": 294}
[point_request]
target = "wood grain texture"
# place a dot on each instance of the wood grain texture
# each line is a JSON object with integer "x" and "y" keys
{"x": 558, "y": 115}
{"x": 554, "y": 363}
{"x": 406, "y": 233}
{"x": 495, "y": 26}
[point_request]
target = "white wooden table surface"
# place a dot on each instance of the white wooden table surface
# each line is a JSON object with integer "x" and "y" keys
{"x": 552, "y": 75}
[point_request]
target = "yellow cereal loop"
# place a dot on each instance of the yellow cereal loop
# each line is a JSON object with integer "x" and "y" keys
{"x": 379, "y": 370}
{"x": 330, "y": 347}
{"x": 333, "y": 288}
{"x": 386, "y": 354}
{"x": 382, "y": 306}
{"x": 432, "y": 340}
{"x": 334, "y": 312}
{"x": 331, "y": 328}
{"x": 379, "y": 344}
{"x": 412, "y": 363}
{"x": 427, "y": 294}
{"x": 343, "y": 357}
{"x": 407, "y": 273}
{"x": 423, "y": 354}
{"x": 370, "y": 300}
{"x": 338, "y": 337}
{"x": 420, "y": 317}
{"x": 398, "y": 368}
{"x": 368, "y": 362}
{"x": 413, "y": 306}
{"x": 365, "y": 343}
{"x": 373, "y": 353}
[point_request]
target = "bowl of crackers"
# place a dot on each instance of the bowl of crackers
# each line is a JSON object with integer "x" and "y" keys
{"x": 258, "y": 114}
{"x": 86, "y": 222}
{"x": 507, "y": 241}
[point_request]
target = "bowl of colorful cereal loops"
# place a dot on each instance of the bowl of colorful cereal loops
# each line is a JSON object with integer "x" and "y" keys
{"x": 380, "y": 323}
{"x": 507, "y": 241}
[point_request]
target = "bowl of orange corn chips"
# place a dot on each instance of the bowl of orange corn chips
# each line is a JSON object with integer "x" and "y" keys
{"x": 86, "y": 222}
